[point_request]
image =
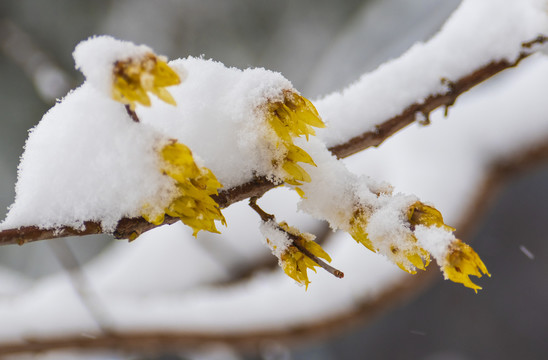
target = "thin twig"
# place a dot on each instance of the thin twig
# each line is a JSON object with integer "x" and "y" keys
{"x": 264, "y": 216}
{"x": 330, "y": 269}
{"x": 132, "y": 114}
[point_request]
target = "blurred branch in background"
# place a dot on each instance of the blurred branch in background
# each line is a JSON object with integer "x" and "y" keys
{"x": 81, "y": 285}
{"x": 50, "y": 81}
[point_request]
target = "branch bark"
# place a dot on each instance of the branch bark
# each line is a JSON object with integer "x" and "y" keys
{"x": 130, "y": 228}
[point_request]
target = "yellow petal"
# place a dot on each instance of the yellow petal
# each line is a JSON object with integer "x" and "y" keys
{"x": 300, "y": 192}
{"x": 421, "y": 214}
{"x": 296, "y": 172}
{"x": 461, "y": 262}
{"x": 296, "y": 154}
{"x": 164, "y": 95}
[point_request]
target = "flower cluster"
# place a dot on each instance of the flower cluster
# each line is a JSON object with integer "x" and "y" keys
{"x": 384, "y": 223}
{"x": 297, "y": 258}
{"x": 404, "y": 251}
{"x": 458, "y": 260}
{"x": 134, "y": 77}
{"x": 192, "y": 203}
{"x": 293, "y": 117}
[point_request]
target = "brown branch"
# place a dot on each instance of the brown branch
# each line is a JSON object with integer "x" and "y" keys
{"x": 131, "y": 228}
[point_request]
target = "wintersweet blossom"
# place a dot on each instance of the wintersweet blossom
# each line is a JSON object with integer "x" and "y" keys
{"x": 293, "y": 117}
{"x": 134, "y": 77}
{"x": 422, "y": 214}
{"x": 404, "y": 250}
{"x": 462, "y": 261}
{"x": 294, "y": 261}
{"x": 192, "y": 202}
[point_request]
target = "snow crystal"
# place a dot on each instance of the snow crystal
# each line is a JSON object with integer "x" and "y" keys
{"x": 527, "y": 252}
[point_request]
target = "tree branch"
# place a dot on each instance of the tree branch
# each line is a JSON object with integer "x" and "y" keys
{"x": 130, "y": 228}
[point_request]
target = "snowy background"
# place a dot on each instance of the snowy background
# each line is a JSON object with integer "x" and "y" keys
{"x": 307, "y": 41}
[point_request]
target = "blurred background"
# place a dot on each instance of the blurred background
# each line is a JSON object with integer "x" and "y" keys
{"x": 320, "y": 46}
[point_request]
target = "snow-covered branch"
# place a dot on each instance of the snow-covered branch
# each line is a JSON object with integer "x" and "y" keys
{"x": 132, "y": 227}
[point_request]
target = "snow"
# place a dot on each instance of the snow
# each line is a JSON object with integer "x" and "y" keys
{"x": 386, "y": 225}
{"x": 527, "y": 252}
{"x": 494, "y": 32}
{"x": 95, "y": 57}
{"x": 443, "y": 163}
{"x": 87, "y": 161}
{"x": 277, "y": 240}
{"x": 434, "y": 240}
{"x": 220, "y": 116}
{"x": 102, "y": 166}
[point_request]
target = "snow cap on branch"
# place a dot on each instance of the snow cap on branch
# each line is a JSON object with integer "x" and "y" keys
{"x": 97, "y": 164}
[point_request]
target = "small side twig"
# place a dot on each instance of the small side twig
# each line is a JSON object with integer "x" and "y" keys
{"x": 330, "y": 269}
{"x": 264, "y": 216}
{"x": 132, "y": 114}
{"x": 295, "y": 240}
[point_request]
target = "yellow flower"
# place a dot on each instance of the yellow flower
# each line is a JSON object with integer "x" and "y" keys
{"x": 293, "y": 117}
{"x": 134, "y": 77}
{"x": 404, "y": 252}
{"x": 421, "y": 214}
{"x": 294, "y": 262}
{"x": 462, "y": 261}
{"x": 358, "y": 224}
{"x": 193, "y": 203}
